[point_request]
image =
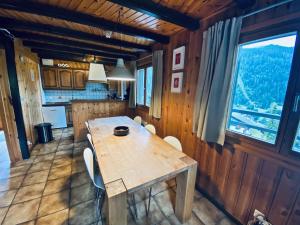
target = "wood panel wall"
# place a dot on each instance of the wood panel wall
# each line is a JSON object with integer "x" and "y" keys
{"x": 7, "y": 114}
{"x": 27, "y": 65}
{"x": 87, "y": 110}
{"x": 238, "y": 177}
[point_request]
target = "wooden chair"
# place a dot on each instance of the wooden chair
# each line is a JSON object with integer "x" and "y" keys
{"x": 96, "y": 179}
{"x": 87, "y": 126}
{"x": 174, "y": 142}
{"x": 138, "y": 120}
{"x": 151, "y": 128}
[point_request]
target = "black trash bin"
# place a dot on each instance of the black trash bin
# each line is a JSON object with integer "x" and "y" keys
{"x": 44, "y": 132}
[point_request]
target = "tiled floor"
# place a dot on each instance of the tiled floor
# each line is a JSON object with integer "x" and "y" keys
{"x": 53, "y": 187}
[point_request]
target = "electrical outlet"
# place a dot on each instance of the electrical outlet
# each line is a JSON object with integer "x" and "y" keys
{"x": 257, "y": 213}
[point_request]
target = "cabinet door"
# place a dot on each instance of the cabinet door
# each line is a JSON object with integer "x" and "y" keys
{"x": 65, "y": 78}
{"x": 79, "y": 79}
{"x": 50, "y": 78}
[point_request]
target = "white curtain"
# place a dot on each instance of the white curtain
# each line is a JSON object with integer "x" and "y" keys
{"x": 218, "y": 57}
{"x": 132, "y": 92}
{"x": 157, "y": 82}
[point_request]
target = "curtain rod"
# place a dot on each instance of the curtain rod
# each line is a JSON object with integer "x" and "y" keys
{"x": 267, "y": 8}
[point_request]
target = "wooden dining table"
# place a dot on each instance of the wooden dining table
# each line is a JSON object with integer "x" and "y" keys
{"x": 138, "y": 161}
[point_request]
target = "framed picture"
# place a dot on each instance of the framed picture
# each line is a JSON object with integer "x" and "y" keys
{"x": 176, "y": 84}
{"x": 178, "y": 58}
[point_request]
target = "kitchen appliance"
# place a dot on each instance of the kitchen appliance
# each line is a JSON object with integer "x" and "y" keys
{"x": 56, "y": 115}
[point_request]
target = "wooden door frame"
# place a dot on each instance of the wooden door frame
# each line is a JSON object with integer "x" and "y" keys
{"x": 7, "y": 114}
{"x": 13, "y": 96}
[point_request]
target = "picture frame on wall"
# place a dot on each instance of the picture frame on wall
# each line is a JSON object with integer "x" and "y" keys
{"x": 178, "y": 58}
{"x": 176, "y": 84}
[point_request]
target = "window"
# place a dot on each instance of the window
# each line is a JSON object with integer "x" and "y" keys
{"x": 260, "y": 85}
{"x": 144, "y": 86}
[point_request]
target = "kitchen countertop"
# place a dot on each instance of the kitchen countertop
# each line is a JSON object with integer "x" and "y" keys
{"x": 56, "y": 104}
{"x": 96, "y": 100}
{"x": 81, "y": 101}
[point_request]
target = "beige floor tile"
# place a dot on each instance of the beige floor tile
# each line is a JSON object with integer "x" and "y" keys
{"x": 82, "y": 193}
{"x": 58, "y": 218}
{"x": 226, "y": 221}
{"x": 29, "y": 192}
{"x": 84, "y": 213}
{"x": 25, "y": 162}
{"x": 54, "y": 203}
{"x": 65, "y": 147}
{"x": 63, "y": 161}
{"x": 65, "y": 141}
{"x": 166, "y": 201}
{"x": 46, "y": 151}
{"x": 159, "y": 187}
{"x": 36, "y": 167}
{"x": 32, "y": 222}
{"x": 59, "y": 172}
{"x": 34, "y": 178}
{"x": 64, "y": 153}
{"x": 14, "y": 171}
{"x": 155, "y": 216}
{"x": 3, "y": 213}
{"x": 54, "y": 186}
{"x": 207, "y": 212}
{"x": 11, "y": 183}
{"x": 79, "y": 179}
{"x": 22, "y": 212}
{"x": 192, "y": 221}
{"x": 46, "y": 157}
{"x": 78, "y": 167}
{"x": 6, "y": 197}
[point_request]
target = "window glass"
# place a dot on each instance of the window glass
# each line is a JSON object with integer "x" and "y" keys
{"x": 261, "y": 78}
{"x": 140, "y": 87}
{"x": 149, "y": 85}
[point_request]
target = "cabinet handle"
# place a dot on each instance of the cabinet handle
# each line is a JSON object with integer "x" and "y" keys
{"x": 52, "y": 110}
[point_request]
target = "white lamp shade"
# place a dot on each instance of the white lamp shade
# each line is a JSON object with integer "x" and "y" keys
{"x": 120, "y": 72}
{"x": 97, "y": 73}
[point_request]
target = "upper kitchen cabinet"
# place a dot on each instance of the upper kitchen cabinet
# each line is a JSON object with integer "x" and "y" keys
{"x": 50, "y": 80}
{"x": 79, "y": 79}
{"x": 59, "y": 78}
{"x": 65, "y": 78}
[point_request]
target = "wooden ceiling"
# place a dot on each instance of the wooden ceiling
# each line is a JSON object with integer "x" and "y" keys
{"x": 138, "y": 29}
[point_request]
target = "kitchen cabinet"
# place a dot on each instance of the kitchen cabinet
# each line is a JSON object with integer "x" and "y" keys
{"x": 49, "y": 78}
{"x": 65, "y": 78}
{"x": 69, "y": 115}
{"x": 79, "y": 79}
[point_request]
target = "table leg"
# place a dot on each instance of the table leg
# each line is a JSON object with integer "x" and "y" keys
{"x": 117, "y": 203}
{"x": 185, "y": 193}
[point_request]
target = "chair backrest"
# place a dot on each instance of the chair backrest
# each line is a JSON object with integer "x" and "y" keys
{"x": 174, "y": 142}
{"x": 87, "y": 126}
{"x": 89, "y": 163}
{"x": 151, "y": 128}
{"x": 138, "y": 119}
{"x": 89, "y": 137}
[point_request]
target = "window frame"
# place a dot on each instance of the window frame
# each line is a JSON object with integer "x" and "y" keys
{"x": 281, "y": 145}
{"x": 144, "y": 67}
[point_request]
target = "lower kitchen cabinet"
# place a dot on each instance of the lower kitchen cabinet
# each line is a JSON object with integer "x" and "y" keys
{"x": 69, "y": 115}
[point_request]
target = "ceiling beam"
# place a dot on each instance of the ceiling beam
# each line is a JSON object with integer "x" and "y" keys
{"x": 70, "y": 58}
{"x": 39, "y": 45}
{"x": 13, "y": 24}
{"x": 71, "y": 43}
{"x": 160, "y": 12}
{"x": 42, "y": 9}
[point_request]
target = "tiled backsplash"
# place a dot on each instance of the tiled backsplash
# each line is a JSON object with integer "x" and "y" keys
{"x": 92, "y": 91}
